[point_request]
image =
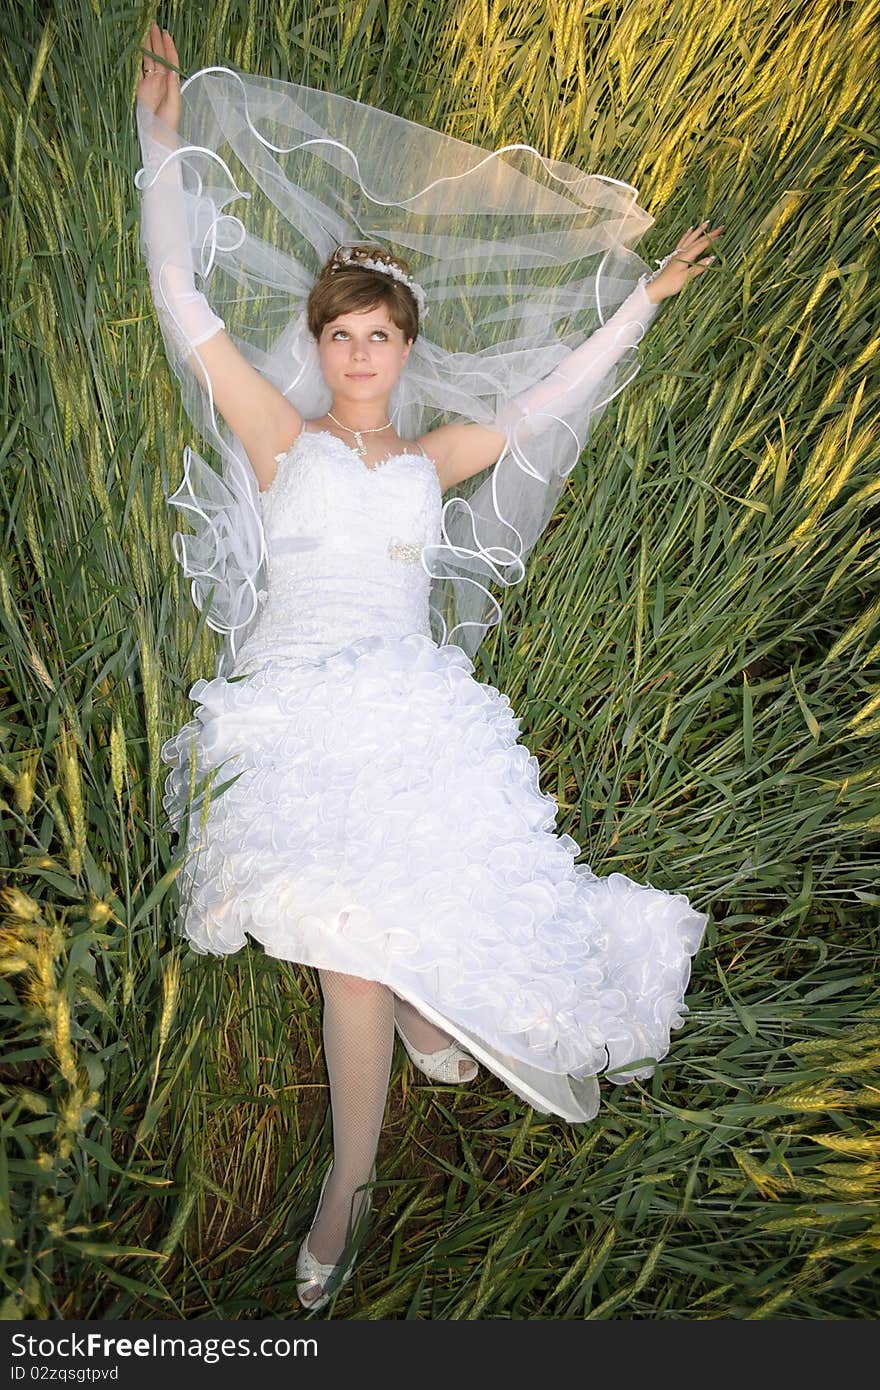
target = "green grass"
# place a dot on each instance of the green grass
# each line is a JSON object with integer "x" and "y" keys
{"x": 694, "y": 659}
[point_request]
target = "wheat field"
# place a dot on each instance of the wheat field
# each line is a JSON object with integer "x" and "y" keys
{"x": 694, "y": 659}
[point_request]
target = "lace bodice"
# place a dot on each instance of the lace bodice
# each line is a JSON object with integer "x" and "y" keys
{"x": 344, "y": 543}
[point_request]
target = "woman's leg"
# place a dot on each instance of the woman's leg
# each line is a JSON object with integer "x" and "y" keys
{"x": 358, "y": 1034}
{"x": 425, "y": 1036}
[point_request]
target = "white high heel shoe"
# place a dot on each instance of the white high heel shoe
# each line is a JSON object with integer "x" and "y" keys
{"x": 310, "y": 1272}
{"x": 442, "y": 1065}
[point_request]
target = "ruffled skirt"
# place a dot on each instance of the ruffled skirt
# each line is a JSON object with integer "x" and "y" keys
{"x": 374, "y": 813}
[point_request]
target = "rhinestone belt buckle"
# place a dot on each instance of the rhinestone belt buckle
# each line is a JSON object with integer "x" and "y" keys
{"x": 404, "y": 550}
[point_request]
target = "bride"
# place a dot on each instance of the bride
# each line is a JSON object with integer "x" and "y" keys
{"x": 387, "y": 827}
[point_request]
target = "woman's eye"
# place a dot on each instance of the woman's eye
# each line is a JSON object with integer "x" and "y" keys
{"x": 375, "y": 330}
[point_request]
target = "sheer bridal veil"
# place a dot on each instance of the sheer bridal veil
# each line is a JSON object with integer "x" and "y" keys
{"x": 522, "y": 258}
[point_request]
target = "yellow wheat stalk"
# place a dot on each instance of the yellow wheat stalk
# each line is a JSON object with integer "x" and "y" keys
{"x": 117, "y": 756}
{"x": 71, "y": 786}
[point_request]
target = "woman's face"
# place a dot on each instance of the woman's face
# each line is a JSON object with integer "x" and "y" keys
{"x": 362, "y": 353}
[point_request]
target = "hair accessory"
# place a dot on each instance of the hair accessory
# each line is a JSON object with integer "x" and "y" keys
{"x": 345, "y": 256}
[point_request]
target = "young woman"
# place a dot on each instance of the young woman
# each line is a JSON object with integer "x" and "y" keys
{"x": 386, "y": 826}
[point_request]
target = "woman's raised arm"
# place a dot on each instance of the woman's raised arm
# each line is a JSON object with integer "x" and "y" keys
{"x": 254, "y": 409}
{"x": 469, "y": 448}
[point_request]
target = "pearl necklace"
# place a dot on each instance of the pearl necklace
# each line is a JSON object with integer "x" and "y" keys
{"x": 358, "y": 433}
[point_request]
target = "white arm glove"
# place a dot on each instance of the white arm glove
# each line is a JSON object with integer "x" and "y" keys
{"x": 574, "y": 381}
{"x": 165, "y": 237}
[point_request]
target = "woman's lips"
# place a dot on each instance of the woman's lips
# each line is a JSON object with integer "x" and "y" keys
{"x": 360, "y": 376}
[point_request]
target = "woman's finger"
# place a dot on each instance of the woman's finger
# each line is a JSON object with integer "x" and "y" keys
{"x": 699, "y": 229}
{"x": 152, "y": 42}
{"x": 157, "y": 44}
{"x": 171, "y": 55}
{"x": 695, "y": 239}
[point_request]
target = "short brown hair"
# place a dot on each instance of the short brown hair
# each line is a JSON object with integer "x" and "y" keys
{"x": 353, "y": 287}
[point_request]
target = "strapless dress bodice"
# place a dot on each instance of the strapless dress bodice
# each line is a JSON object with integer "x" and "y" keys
{"x": 344, "y": 546}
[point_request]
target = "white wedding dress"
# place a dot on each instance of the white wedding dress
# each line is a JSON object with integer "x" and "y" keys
{"x": 386, "y": 822}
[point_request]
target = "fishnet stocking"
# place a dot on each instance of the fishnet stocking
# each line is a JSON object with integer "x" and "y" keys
{"x": 425, "y": 1036}
{"x": 358, "y": 1034}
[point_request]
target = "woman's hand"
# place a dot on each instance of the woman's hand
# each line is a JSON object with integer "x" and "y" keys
{"x": 683, "y": 264}
{"x": 159, "y": 87}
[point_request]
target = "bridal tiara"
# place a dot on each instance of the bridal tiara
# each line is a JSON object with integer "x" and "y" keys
{"x": 344, "y": 254}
